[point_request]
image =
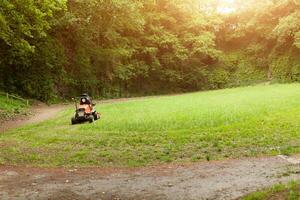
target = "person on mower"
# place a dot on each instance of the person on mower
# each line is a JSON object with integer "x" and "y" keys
{"x": 86, "y": 111}
{"x": 85, "y": 99}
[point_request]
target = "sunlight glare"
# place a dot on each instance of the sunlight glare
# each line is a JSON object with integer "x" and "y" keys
{"x": 226, "y": 6}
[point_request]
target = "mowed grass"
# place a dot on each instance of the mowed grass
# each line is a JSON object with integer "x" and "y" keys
{"x": 230, "y": 123}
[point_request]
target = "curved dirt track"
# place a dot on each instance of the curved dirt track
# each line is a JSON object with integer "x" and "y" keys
{"x": 39, "y": 113}
{"x": 42, "y": 112}
{"x": 229, "y": 179}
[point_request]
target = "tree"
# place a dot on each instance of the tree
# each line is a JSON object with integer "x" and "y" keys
{"x": 24, "y": 29}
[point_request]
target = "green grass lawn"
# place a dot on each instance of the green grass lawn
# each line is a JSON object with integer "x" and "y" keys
{"x": 11, "y": 107}
{"x": 231, "y": 123}
{"x": 290, "y": 191}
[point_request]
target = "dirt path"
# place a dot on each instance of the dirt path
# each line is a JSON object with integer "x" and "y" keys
{"x": 214, "y": 180}
{"x": 38, "y": 112}
{"x": 42, "y": 112}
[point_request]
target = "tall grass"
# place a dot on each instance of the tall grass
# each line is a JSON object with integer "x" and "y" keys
{"x": 11, "y": 107}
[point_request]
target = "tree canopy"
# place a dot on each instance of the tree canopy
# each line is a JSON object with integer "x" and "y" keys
{"x": 116, "y": 48}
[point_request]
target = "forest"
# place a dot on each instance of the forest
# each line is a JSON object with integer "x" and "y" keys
{"x": 56, "y": 49}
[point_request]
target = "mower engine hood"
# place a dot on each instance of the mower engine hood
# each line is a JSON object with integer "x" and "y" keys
{"x": 87, "y": 108}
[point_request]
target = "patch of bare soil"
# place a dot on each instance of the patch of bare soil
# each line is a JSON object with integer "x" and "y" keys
{"x": 229, "y": 179}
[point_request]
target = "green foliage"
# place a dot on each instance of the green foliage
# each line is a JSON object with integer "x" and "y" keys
{"x": 242, "y": 70}
{"x": 128, "y": 47}
{"x": 29, "y": 57}
{"x": 22, "y": 22}
{"x": 268, "y": 31}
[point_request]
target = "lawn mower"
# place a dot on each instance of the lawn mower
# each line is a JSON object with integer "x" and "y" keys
{"x": 84, "y": 111}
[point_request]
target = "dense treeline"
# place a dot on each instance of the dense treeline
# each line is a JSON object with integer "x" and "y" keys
{"x": 115, "y": 48}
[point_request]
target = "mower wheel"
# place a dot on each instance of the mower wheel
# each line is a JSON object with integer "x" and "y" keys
{"x": 91, "y": 119}
{"x": 73, "y": 121}
{"x": 95, "y": 116}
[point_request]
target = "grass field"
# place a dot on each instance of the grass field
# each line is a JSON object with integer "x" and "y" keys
{"x": 231, "y": 123}
{"x": 290, "y": 191}
{"x": 10, "y": 108}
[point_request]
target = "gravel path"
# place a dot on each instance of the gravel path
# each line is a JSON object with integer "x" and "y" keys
{"x": 210, "y": 180}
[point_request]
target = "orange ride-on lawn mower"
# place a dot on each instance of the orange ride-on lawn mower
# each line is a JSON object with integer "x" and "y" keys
{"x": 84, "y": 111}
